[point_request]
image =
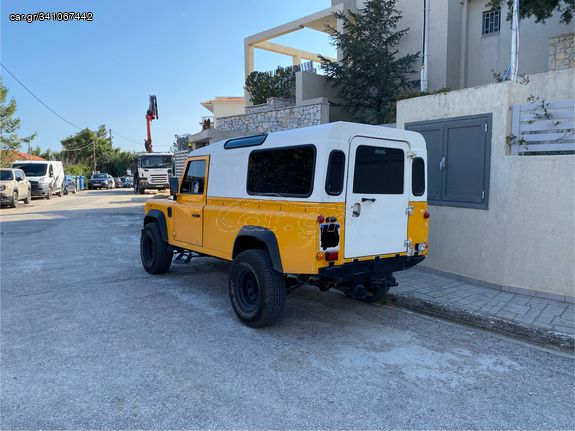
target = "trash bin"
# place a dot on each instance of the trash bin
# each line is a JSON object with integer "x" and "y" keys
{"x": 82, "y": 182}
{"x": 77, "y": 182}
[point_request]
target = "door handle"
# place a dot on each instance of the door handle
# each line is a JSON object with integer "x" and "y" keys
{"x": 196, "y": 215}
{"x": 368, "y": 199}
{"x": 442, "y": 164}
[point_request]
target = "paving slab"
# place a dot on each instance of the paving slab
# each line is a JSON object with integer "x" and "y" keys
{"x": 538, "y": 318}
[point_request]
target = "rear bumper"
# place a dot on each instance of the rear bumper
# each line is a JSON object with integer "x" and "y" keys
{"x": 369, "y": 268}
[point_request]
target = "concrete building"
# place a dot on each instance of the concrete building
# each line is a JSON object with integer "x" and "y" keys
{"x": 467, "y": 43}
{"x": 225, "y": 106}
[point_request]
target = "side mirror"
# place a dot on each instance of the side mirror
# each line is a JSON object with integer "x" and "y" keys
{"x": 174, "y": 182}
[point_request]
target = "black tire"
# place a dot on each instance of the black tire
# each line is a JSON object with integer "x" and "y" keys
{"x": 155, "y": 253}
{"x": 49, "y": 195}
{"x": 377, "y": 292}
{"x": 14, "y": 201}
{"x": 257, "y": 291}
{"x": 28, "y": 197}
{"x": 61, "y": 192}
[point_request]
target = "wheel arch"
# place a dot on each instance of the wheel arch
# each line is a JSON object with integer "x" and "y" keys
{"x": 257, "y": 237}
{"x": 157, "y": 216}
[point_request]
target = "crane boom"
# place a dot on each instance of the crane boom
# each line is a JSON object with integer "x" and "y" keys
{"x": 151, "y": 114}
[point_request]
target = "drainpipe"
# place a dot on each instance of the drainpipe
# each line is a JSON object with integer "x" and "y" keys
{"x": 424, "y": 65}
{"x": 514, "y": 41}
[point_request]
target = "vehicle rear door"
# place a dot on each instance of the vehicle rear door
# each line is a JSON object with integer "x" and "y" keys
{"x": 190, "y": 202}
{"x": 377, "y": 198}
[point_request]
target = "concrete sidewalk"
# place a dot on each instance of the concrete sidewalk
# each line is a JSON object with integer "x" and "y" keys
{"x": 538, "y": 319}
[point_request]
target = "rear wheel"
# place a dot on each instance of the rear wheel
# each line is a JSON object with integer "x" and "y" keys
{"x": 257, "y": 291}
{"x": 155, "y": 253}
{"x": 14, "y": 202}
{"x": 61, "y": 192}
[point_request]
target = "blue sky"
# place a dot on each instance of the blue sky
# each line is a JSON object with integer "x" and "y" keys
{"x": 102, "y": 72}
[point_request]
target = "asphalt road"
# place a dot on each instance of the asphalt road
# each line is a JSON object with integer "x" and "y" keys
{"x": 89, "y": 340}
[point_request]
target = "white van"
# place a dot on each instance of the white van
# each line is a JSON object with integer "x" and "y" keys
{"x": 46, "y": 176}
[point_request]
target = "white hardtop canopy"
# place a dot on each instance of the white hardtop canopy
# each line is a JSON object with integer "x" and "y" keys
{"x": 339, "y": 131}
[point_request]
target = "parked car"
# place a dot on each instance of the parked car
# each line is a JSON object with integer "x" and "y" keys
{"x": 118, "y": 182}
{"x": 127, "y": 182}
{"x": 46, "y": 177}
{"x": 69, "y": 184}
{"x": 365, "y": 181}
{"x": 14, "y": 187}
{"x": 100, "y": 181}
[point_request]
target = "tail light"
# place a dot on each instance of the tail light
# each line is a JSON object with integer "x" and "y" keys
{"x": 331, "y": 256}
{"x": 320, "y": 219}
{"x": 426, "y": 215}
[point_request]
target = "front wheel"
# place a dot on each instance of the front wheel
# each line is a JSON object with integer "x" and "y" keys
{"x": 28, "y": 197}
{"x": 155, "y": 253}
{"x": 14, "y": 202}
{"x": 49, "y": 195}
{"x": 257, "y": 291}
{"x": 61, "y": 192}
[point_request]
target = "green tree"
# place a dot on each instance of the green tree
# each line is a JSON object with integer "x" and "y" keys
{"x": 81, "y": 147}
{"x": 540, "y": 9}
{"x": 9, "y": 124}
{"x": 370, "y": 75}
{"x": 263, "y": 85}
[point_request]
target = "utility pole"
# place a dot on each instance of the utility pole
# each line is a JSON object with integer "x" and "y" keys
{"x": 94, "y": 154}
{"x": 110, "y": 137}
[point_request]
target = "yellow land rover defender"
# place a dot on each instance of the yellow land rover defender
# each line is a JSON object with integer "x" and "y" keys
{"x": 338, "y": 205}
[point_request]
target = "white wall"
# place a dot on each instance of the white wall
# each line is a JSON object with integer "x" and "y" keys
{"x": 526, "y": 237}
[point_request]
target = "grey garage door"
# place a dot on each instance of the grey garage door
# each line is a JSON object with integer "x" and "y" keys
{"x": 458, "y": 154}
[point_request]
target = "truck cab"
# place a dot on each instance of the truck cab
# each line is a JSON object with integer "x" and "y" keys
{"x": 152, "y": 171}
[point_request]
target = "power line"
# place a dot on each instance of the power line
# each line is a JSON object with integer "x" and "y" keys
{"x": 38, "y": 99}
{"x": 127, "y": 139}
{"x": 78, "y": 149}
{"x": 54, "y": 112}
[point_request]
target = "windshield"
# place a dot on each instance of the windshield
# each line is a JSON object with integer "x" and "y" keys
{"x": 154, "y": 162}
{"x": 5, "y": 175}
{"x": 99, "y": 176}
{"x": 33, "y": 169}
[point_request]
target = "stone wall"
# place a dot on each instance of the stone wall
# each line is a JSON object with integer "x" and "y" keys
{"x": 562, "y": 52}
{"x": 271, "y": 103}
{"x": 313, "y": 112}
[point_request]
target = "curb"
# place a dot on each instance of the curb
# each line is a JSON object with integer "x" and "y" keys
{"x": 486, "y": 321}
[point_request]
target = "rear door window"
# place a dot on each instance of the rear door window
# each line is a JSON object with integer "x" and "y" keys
{"x": 378, "y": 170}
